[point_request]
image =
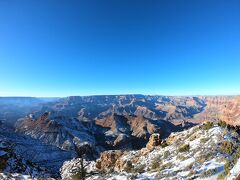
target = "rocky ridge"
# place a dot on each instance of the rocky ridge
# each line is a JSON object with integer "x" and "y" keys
{"x": 202, "y": 152}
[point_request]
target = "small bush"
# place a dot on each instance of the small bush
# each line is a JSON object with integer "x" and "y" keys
{"x": 227, "y": 147}
{"x": 238, "y": 150}
{"x": 221, "y": 176}
{"x": 139, "y": 169}
{"x": 192, "y": 138}
{"x": 204, "y": 140}
{"x": 166, "y": 154}
{"x": 227, "y": 166}
{"x": 235, "y": 158}
{"x": 184, "y": 148}
{"x": 156, "y": 162}
{"x": 128, "y": 167}
{"x": 164, "y": 144}
{"x": 78, "y": 176}
{"x": 208, "y": 173}
{"x": 166, "y": 166}
{"x": 208, "y": 125}
{"x": 222, "y": 124}
{"x": 182, "y": 158}
{"x": 205, "y": 157}
{"x": 189, "y": 134}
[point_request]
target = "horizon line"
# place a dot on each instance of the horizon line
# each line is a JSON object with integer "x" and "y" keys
{"x": 124, "y": 94}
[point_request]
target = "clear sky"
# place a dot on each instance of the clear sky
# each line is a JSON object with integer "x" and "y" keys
{"x": 87, "y": 47}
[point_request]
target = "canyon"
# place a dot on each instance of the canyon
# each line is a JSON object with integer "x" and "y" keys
{"x": 56, "y": 128}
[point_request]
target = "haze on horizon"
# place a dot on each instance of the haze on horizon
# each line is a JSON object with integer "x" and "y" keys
{"x": 64, "y": 48}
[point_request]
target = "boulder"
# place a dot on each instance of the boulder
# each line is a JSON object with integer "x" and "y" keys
{"x": 154, "y": 141}
{"x": 108, "y": 160}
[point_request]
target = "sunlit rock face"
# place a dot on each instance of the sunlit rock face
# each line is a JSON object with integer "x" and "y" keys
{"x": 224, "y": 108}
{"x": 121, "y": 122}
{"x": 154, "y": 141}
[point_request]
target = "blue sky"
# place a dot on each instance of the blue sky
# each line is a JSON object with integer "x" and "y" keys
{"x": 82, "y": 47}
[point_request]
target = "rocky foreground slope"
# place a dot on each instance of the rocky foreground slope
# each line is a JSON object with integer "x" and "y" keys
{"x": 207, "y": 151}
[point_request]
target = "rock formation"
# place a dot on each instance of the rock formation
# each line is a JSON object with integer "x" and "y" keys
{"x": 108, "y": 160}
{"x": 154, "y": 141}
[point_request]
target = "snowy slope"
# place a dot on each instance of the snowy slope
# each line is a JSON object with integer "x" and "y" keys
{"x": 205, "y": 158}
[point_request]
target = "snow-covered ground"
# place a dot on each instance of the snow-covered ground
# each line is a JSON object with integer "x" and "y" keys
{"x": 201, "y": 158}
{"x": 15, "y": 176}
{"x": 235, "y": 171}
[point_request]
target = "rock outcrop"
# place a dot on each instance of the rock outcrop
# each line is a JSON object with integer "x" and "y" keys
{"x": 154, "y": 141}
{"x": 108, "y": 160}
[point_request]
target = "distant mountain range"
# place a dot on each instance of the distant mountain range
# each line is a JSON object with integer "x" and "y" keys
{"x": 25, "y": 101}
